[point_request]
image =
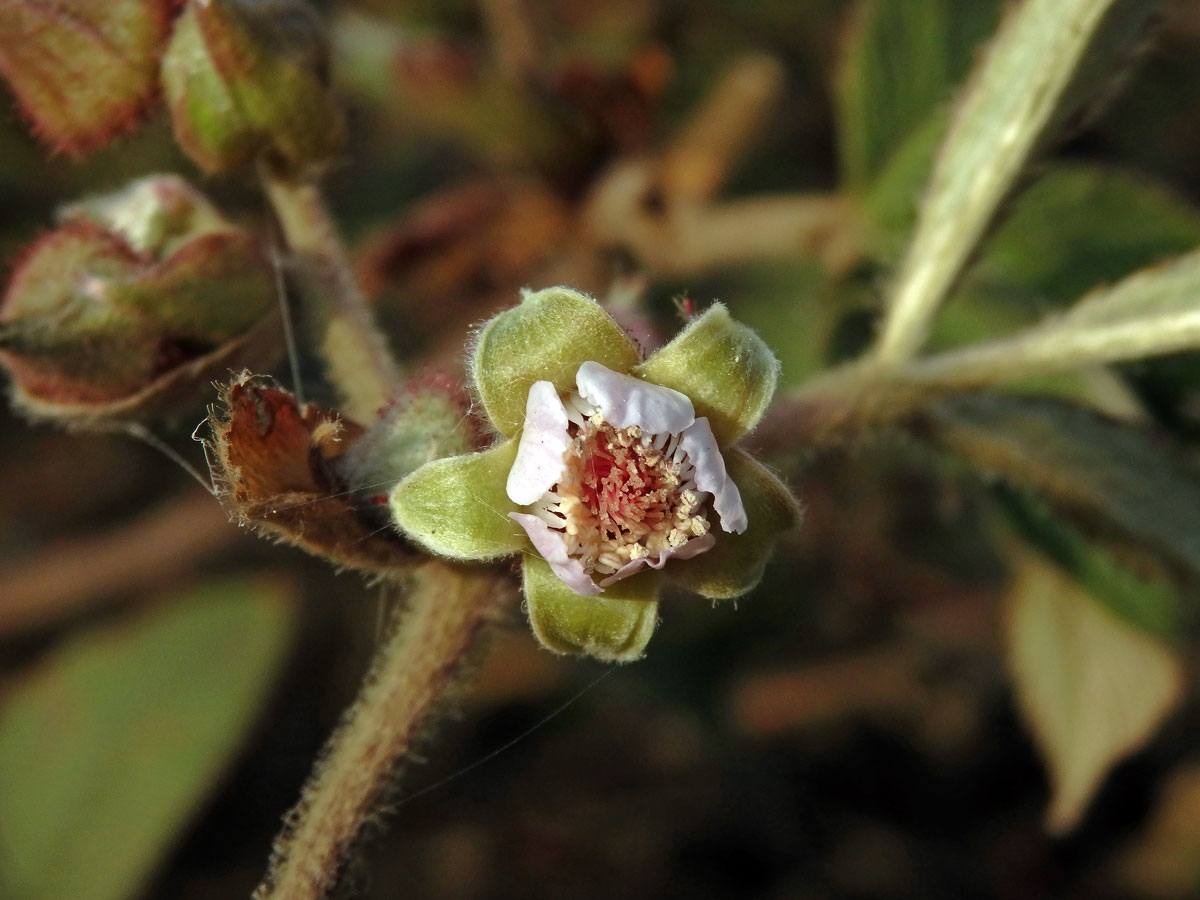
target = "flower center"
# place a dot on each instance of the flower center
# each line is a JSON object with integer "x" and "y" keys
{"x": 623, "y": 495}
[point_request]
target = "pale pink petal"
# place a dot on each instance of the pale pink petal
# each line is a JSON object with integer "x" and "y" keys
{"x": 625, "y": 401}
{"x": 549, "y": 543}
{"x": 539, "y": 464}
{"x": 701, "y": 447}
{"x": 694, "y": 547}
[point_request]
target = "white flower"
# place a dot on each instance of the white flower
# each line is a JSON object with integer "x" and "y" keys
{"x": 617, "y": 476}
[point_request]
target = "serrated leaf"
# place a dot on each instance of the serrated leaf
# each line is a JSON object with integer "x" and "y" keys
{"x": 1018, "y": 96}
{"x": 1091, "y": 687}
{"x": 82, "y": 71}
{"x": 1109, "y": 475}
{"x": 109, "y": 744}
{"x": 898, "y": 63}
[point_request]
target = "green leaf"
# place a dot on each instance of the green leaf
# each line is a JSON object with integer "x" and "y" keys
{"x": 1151, "y": 313}
{"x": 1151, "y": 606}
{"x": 614, "y": 626}
{"x": 891, "y": 200}
{"x": 1080, "y": 226}
{"x": 458, "y": 506}
{"x": 898, "y": 63}
{"x": 546, "y": 338}
{"x": 1015, "y": 100}
{"x": 723, "y": 367}
{"x": 1106, "y": 475}
{"x": 1091, "y": 687}
{"x": 111, "y": 743}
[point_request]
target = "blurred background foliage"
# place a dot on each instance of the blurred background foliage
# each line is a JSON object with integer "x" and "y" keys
{"x": 849, "y": 730}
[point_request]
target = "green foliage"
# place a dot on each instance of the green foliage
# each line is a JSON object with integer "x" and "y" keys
{"x": 113, "y": 741}
{"x": 899, "y": 63}
{"x": 1151, "y": 606}
{"x": 1109, "y": 475}
{"x": 1078, "y": 227}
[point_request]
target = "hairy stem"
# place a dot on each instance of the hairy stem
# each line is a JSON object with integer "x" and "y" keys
{"x": 1016, "y": 98}
{"x": 854, "y": 398}
{"x": 425, "y": 658}
{"x": 355, "y": 352}
{"x": 1051, "y": 350}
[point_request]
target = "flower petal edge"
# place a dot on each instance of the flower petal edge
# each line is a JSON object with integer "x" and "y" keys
{"x": 624, "y": 400}
{"x": 737, "y": 563}
{"x": 550, "y": 544}
{"x": 540, "y": 462}
{"x": 547, "y": 337}
{"x": 726, "y": 369}
{"x": 700, "y": 444}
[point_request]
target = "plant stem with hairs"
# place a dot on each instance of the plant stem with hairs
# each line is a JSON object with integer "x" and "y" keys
{"x": 343, "y": 329}
{"x": 428, "y": 653}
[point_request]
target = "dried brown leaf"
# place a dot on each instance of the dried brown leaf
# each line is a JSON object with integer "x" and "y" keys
{"x": 273, "y": 465}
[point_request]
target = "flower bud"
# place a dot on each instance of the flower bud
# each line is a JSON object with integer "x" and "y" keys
{"x": 128, "y": 289}
{"x": 246, "y": 80}
{"x": 82, "y": 71}
{"x": 429, "y": 421}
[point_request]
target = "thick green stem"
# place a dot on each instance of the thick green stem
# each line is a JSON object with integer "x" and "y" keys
{"x": 426, "y": 656}
{"x": 336, "y": 313}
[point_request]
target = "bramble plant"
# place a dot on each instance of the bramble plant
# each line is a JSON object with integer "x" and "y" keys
{"x": 504, "y": 429}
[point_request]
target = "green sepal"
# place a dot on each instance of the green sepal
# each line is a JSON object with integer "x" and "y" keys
{"x": 546, "y": 338}
{"x": 457, "y": 506}
{"x": 736, "y": 563}
{"x": 614, "y": 626}
{"x": 724, "y": 367}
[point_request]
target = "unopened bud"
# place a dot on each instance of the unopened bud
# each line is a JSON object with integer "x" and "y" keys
{"x": 128, "y": 289}
{"x": 82, "y": 72}
{"x": 247, "y": 81}
{"x": 427, "y": 422}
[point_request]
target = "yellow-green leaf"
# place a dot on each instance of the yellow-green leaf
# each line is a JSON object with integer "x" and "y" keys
{"x": 1091, "y": 687}
{"x": 110, "y": 743}
{"x": 736, "y": 564}
{"x": 724, "y": 367}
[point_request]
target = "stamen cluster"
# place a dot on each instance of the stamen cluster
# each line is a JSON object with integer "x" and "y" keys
{"x": 624, "y": 494}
